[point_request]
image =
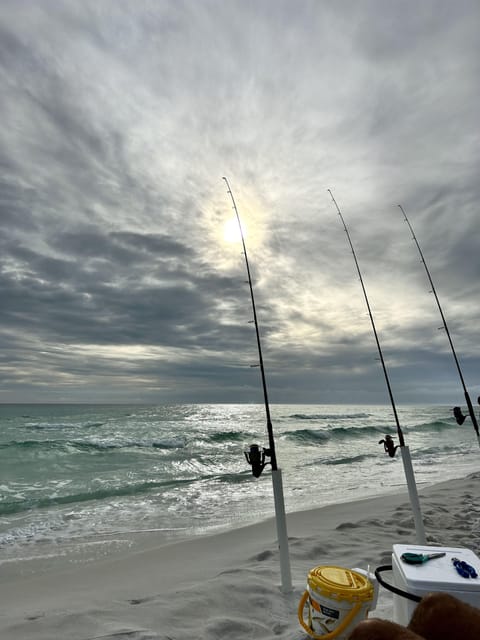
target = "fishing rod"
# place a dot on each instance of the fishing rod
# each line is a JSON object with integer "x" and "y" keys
{"x": 388, "y": 442}
{"x": 457, "y": 411}
{"x": 256, "y": 456}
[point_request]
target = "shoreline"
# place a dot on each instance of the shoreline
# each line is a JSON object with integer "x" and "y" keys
{"x": 230, "y": 580}
{"x": 49, "y": 557}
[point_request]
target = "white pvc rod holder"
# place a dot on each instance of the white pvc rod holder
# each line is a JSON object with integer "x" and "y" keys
{"x": 413, "y": 494}
{"x": 282, "y": 535}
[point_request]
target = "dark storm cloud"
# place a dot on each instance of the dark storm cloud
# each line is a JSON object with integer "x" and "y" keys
{"x": 100, "y": 281}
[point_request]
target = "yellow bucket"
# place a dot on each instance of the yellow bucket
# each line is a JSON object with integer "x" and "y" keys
{"x": 336, "y": 599}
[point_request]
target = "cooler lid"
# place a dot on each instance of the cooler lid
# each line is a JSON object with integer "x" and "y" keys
{"x": 438, "y": 574}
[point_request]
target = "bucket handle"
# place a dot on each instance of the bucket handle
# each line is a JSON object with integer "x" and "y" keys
{"x": 331, "y": 634}
{"x": 390, "y": 587}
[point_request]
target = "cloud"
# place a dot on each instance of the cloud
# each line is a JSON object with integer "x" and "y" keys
{"x": 118, "y": 122}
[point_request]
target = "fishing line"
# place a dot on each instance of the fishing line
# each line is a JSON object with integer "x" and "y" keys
{"x": 256, "y": 456}
{"x": 458, "y": 414}
{"x": 412, "y": 487}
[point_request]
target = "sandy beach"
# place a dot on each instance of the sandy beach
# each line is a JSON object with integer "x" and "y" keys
{"x": 228, "y": 584}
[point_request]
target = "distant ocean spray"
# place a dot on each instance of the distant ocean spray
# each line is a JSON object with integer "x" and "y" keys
{"x": 77, "y": 479}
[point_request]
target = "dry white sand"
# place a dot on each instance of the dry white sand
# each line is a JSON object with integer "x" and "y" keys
{"x": 227, "y": 585}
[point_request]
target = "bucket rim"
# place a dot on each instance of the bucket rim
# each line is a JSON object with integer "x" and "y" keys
{"x": 339, "y": 583}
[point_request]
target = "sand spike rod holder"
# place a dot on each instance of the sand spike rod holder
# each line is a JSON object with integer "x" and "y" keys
{"x": 256, "y": 456}
{"x": 405, "y": 451}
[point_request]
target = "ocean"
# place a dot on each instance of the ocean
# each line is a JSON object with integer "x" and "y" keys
{"x": 78, "y": 482}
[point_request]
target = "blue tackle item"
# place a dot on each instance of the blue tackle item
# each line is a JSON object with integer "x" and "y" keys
{"x": 464, "y": 569}
{"x": 419, "y": 558}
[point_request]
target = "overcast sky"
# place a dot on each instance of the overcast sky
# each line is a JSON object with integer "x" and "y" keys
{"x": 118, "y": 121}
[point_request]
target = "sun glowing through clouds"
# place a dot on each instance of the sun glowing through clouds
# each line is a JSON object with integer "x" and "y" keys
{"x": 231, "y": 231}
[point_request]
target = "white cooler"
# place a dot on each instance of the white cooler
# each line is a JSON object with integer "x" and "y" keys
{"x": 438, "y": 574}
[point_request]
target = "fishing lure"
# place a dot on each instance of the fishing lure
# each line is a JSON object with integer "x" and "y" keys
{"x": 464, "y": 569}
